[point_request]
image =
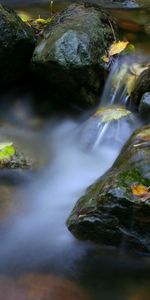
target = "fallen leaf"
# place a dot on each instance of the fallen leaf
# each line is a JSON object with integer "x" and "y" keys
{"x": 139, "y": 189}
{"x": 117, "y": 47}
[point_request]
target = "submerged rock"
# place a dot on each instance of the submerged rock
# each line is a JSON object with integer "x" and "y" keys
{"x": 116, "y": 209}
{"x": 16, "y": 45}
{"x": 69, "y": 54}
{"x": 107, "y": 119}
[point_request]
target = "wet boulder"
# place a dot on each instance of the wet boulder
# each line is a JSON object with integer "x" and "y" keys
{"x": 142, "y": 86}
{"x": 16, "y": 46}
{"x": 69, "y": 54}
{"x": 144, "y": 107}
{"x": 115, "y": 211}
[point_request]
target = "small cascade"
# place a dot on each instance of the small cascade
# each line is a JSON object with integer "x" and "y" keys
{"x": 112, "y": 123}
{"x": 110, "y": 126}
{"x": 115, "y": 91}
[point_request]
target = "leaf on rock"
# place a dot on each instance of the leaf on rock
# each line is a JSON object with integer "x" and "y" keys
{"x": 107, "y": 114}
{"x": 141, "y": 191}
{"x": 117, "y": 47}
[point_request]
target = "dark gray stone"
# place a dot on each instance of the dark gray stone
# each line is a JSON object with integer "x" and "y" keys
{"x": 69, "y": 54}
{"x": 16, "y": 46}
{"x": 142, "y": 86}
{"x": 144, "y": 106}
{"x": 111, "y": 212}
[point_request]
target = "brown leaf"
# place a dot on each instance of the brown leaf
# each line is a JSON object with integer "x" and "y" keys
{"x": 139, "y": 190}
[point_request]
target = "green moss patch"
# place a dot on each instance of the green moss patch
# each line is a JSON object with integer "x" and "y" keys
{"x": 7, "y": 150}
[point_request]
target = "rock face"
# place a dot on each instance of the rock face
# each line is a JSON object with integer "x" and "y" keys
{"x": 16, "y": 45}
{"x": 142, "y": 86}
{"x": 120, "y": 3}
{"x": 116, "y": 209}
{"x": 69, "y": 54}
{"x": 144, "y": 107}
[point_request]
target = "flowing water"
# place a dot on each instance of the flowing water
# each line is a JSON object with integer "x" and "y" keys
{"x": 35, "y": 238}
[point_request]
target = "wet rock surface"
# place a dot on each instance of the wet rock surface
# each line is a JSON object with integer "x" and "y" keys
{"x": 142, "y": 86}
{"x": 121, "y": 3}
{"x": 69, "y": 54}
{"x": 16, "y": 46}
{"x": 115, "y": 210}
{"x": 144, "y": 107}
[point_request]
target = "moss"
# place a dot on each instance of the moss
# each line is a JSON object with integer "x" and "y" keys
{"x": 133, "y": 176}
{"x": 7, "y": 151}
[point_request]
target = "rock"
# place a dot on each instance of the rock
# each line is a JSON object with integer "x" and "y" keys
{"x": 11, "y": 157}
{"x": 115, "y": 210}
{"x": 144, "y": 107}
{"x": 120, "y": 3}
{"x": 107, "y": 119}
{"x": 16, "y": 46}
{"x": 142, "y": 86}
{"x": 69, "y": 54}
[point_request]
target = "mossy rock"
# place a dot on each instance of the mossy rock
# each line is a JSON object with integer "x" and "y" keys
{"x": 11, "y": 157}
{"x": 16, "y": 46}
{"x": 111, "y": 213}
{"x": 69, "y": 54}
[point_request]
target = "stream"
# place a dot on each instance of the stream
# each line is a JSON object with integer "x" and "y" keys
{"x": 34, "y": 238}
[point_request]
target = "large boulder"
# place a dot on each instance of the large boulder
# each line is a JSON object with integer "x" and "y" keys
{"x": 69, "y": 54}
{"x": 116, "y": 209}
{"x": 16, "y": 45}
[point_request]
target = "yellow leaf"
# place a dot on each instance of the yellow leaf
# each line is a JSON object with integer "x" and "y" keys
{"x": 139, "y": 190}
{"x": 117, "y": 47}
